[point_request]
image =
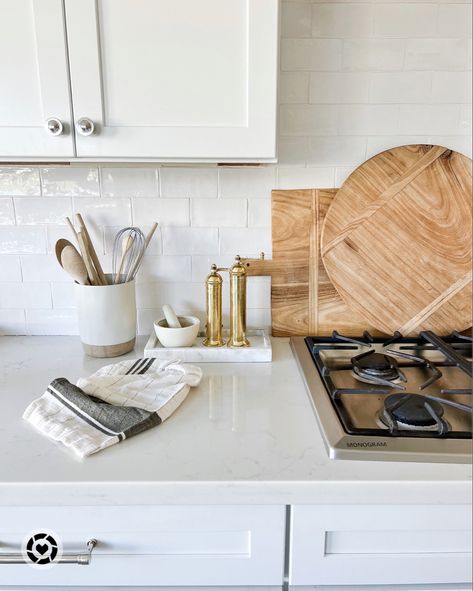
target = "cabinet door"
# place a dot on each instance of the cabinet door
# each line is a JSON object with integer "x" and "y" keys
{"x": 174, "y": 79}
{"x": 33, "y": 80}
{"x": 151, "y": 546}
{"x": 380, "y": 545}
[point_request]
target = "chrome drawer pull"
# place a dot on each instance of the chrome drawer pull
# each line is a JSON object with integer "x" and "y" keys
{"x": 65, "y": 558}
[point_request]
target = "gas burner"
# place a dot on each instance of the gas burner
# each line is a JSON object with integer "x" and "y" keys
{"x": 377, "y": 368}
{"x": 412, "y": 412}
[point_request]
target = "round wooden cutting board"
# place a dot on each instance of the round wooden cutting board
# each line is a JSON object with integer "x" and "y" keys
{"x": 397, "y": 240}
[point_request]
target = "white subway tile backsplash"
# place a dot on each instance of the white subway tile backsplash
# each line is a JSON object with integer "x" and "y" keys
{"x": 336, "y": 20}
{"x": 221, "y": 212}
{"x": 436, "y": 54}
{"x": 455, "y": 20}
{"x": 19, "y": 240}
{"x": 188, "y": 182}
{"x": 357, "y": 77}
{"x": 12, "y": 322}
{"x": 373, "y": 54}
{"x": 380, "y": 143}
{"x": 259, "y": 213}
{"x": 429, "y": 119}
{"x": 25, "y": 295}
{"x": 308, "y": 119}
{"x": 401, "y": 87}
{"x": 292, "y": 150}
{"x": 186, "y": 298}
{"x": 129, "y": 182}
{"x": 106, "y": 211}
{"x": 305, "y": 178}
{"x": 165, "y": 268}
{"x": 246, "y": 182}
{"x": 462, "y": 144}
{"x": 295, "y": 19}
{"x": 63, "y": 295}
{"x": 167, "y": 212}
{"x": 311, "y": 54}
{"x": 37, "y": 295}
{"x": 341, "y": 175}
{"x": 258, "y": 292}
{"x": 368, "y": 119}
{"x": 7, "y": 212}
{"x": 245, "y": 241}
{"x": 10, "y": 269}
{"x": 190, "y": 240}
{"x": 259, "y": 318}
{"x": 52, "y": 322}
{"x": 335, "y": 150}
{"x": 19, "y": 181}
{"x": 293, "y": 87}
{"x": 70, "y": 181}
{"x": 405, "y": 19}
{"x": 339, "y": 87}
{"x": 451, "y": 87}
{"x": 37, "y": 268}
{"x": 465, "y": 120}
{"x": 12, "y": 295}
{"x": 48, "y": 210}
{"x": 201, "y": 265}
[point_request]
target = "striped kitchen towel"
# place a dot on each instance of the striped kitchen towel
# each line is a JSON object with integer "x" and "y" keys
{"x": 115, "y": 403}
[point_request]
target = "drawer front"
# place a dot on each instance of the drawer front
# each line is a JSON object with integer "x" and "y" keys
{"x": 380, "y": 545}
{"x": 184, "y": 546}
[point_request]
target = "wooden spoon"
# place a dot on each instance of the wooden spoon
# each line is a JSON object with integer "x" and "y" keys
{"x": 71, "y": 261}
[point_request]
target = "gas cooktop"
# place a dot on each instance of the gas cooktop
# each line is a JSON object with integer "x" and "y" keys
{"x": 397, "y": 398}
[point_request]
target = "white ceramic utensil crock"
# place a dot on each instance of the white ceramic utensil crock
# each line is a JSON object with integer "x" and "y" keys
{"x": 107, "y": 318}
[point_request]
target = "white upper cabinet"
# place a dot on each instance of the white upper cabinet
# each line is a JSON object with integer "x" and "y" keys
{"x": 166, "y": 80}
{"x": 35, "y": 110}
{"x": 174, "y": 79}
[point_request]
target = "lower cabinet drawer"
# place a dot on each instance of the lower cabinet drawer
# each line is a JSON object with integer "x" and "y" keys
{"x": 380, "y": 545}
{"x": 155, "y": 546}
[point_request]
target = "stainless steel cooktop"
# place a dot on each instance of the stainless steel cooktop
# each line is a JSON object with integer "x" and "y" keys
{"x": 399, "y": 399}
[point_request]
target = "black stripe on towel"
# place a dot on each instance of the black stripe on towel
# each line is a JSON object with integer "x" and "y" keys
{"x": 137, "y": 362}
{"x": 147, "y": 366}
{"x": 85, "y": 417}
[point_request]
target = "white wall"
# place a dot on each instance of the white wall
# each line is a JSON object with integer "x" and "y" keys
{"x": 356, "y": 78}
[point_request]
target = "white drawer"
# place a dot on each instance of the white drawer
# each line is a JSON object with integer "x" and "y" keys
{"x": 380, "y": 545}
{"x": 165, "y": 545}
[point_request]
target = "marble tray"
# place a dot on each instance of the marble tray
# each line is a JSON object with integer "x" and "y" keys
{"x": 259, "y": 351}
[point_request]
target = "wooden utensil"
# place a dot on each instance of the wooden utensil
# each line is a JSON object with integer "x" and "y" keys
{"x": 396, "y": 241}
{"x": 71, "y": 261}
{"x": 102, "y": 280}
{"x": 127, "y": 244}
{"x": 84, "y": 249}
{"x": 303, "y": 300}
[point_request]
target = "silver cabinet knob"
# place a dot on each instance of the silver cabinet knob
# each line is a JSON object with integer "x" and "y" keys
{"x": 85, "y": 126}
{"x": 54, "y": 126}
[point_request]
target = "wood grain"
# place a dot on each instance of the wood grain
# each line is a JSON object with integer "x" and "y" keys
{"x": 396, "y": 242}
{"x": 303, "y": 299}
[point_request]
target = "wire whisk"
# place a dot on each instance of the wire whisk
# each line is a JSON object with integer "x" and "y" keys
{"x": 128, "y": 250}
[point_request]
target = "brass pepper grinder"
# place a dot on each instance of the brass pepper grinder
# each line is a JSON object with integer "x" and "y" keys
{"x": 238, "y": 306}
{"x": 213, "y": 327}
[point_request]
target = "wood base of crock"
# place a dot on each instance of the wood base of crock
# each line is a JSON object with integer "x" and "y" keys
{"x": 109, "y": 350}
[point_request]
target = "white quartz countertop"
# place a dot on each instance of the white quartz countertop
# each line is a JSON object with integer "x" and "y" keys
{"x": 247, "y": 434}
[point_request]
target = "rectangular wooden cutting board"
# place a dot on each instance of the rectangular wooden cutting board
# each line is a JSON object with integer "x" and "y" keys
{"x": 303, "y": 299}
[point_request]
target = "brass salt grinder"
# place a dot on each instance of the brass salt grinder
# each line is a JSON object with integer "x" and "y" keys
{"x": 237, "y": 307}
{"x": 213, "y": 327}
